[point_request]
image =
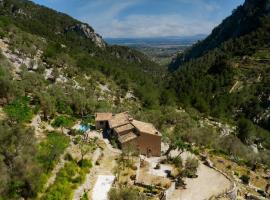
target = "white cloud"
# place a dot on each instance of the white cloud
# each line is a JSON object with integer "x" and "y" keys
{"x": 115, "y": 18}
{"x": 103, "y": 16}
{"x": 152, "y": 25}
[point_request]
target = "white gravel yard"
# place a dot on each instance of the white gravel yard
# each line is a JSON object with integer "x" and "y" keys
{"x": 162, "y": 171}
{"x": 209, "y": 183}
{"x": 102, "y": 187}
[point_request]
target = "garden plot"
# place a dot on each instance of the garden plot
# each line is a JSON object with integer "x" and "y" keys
{"x": 102, "y": 187}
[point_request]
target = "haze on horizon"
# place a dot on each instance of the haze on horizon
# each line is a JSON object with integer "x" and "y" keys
{"x": 146, "y": 18}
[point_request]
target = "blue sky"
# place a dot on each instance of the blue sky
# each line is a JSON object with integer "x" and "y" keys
{"x": 147, "y": 18}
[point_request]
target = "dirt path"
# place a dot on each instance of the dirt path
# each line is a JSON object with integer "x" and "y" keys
{"x": 106, "y": 159}
{"x": 234, "y": 87}
{"x": 209, "y": 183}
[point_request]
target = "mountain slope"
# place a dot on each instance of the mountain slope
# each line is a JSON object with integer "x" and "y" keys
{"x": 86, "y": 48}
{"x": 231, "y": 80}
{"x": 244, "y": 19}
{"x": 55, "y": 69}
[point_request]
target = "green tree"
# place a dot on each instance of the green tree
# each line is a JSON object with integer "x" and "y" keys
{"x": 245, "y": 128}
{"x": 86, "y": 145}
{"x": 63, "y": 122}
{"x": 174, "y": 140}
{"x": 47, "y": 104}
{"x": 20, "y": 173}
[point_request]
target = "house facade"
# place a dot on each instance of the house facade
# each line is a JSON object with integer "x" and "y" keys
{"x": 130, "y": 132}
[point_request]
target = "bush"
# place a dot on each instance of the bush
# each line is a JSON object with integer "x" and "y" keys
{"x": 126, "y": 193}
{"x": 85, "y": 163}
{"x": 245, "y": 179}
{"x": 191, "y": 167}
{"x": 84, "y": 197}
{"x": 177, "y": 161}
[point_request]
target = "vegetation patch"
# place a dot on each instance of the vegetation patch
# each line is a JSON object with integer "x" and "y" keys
{"x": 19, "y": 110}
{"x": 63, "y": 122}
{"x": 67, "y": 180}
{"x": 51, "y": 149}
{"x": 127, "y": 193}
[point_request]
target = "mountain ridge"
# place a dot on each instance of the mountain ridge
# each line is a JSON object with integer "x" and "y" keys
{"x": 244, "y": 19}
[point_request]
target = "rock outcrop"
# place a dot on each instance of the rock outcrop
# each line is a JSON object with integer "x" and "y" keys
{"x": 86, "y": 31}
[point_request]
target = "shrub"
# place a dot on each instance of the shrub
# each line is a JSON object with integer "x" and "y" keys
{"x": 84, "y": 197}
{"x": 245, "y": 179}
{"x": 126, "y": 193}
{"x": 191, "y": 167}
{"x": 85, "y": 163}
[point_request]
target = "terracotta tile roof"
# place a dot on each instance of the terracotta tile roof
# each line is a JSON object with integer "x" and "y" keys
{"x": 119, "y": 120}
{"x": 103, "y": 116}
{"x": 145, "y": 127}
{"x": 126, "y": 127}
{"x": 127, "y": 137}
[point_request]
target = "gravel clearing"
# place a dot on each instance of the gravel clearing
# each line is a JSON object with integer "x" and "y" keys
{"x": 162, "y": 171}
{"x": 209, "y": 183}
{"x": 102, "y": 187}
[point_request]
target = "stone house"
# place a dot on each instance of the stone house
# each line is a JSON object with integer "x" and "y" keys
{"x": 130, "y": 132}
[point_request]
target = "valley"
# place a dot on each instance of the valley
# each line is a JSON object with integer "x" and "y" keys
{"x": 176, "y": 118}
{"x": 160, "y": 50}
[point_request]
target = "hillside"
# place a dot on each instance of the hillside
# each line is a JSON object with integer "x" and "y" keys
{"x": 244, "y": 19}
{"x": 231, "y": 80}
{"x": 87, "y": 49}
{"x": 56, "y": 73}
